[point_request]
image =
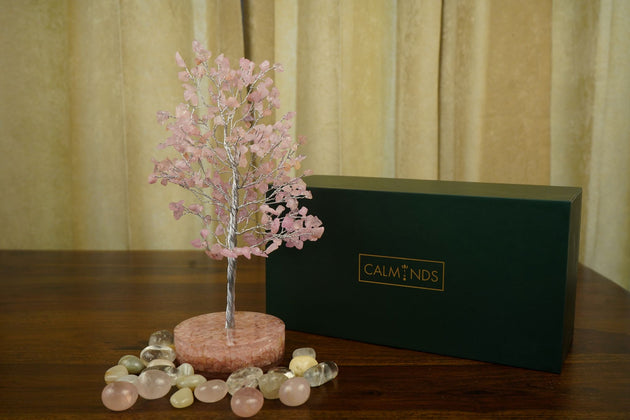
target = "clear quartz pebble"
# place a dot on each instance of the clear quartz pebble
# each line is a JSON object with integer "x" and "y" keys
{"x": 185, "y": 369}
{"x": 153, "y": 384}
{"x": 162, "y": 338}
{"x": 115, "y": 372}
{"x": 304, "y": 351}
{"x": 244, "y": 377}
{"x": 182, "y": 398}
{"x": 300, "y": 364}
{"x": 133, "y": 363}
{"x": 284, "y": 370}
{"x": 269, "y": 384}
{"x": 192, "y": 381}
{"x": 246, "y": 402}
{"x": 321, "y": 373}
{"x": 119, "y": 396}
{"x": 160, "y": 362}
{"x": 294, "y": 392}
{"x": 211, "y": 391}
{"x": 150, "y": 353}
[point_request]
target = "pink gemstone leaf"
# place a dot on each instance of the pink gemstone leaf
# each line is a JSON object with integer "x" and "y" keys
{"x": 179, "y": 60}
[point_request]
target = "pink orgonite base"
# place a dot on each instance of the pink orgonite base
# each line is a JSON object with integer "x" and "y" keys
{"x": 205, "y": 343}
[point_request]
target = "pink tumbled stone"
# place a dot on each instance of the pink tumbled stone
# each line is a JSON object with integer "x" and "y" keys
{"x": 153, "y": 384}
{"x": 294, "y": 391}
{"x": 211, "y": 391}
{"x": 246, "y": 402}
{"x": 119, "y": 396}
{"x": 205, "y": 343}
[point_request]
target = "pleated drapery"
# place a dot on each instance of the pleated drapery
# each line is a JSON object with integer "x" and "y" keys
{"x": 534, "y": 92}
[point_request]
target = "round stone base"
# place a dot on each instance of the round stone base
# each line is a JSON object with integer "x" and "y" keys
{"x": 205, "y": 343}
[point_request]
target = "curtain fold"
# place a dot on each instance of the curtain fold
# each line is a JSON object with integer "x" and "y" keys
{"x": 418, "y": 49}
{"x": 35, "y": 128}
{"x": 591, "y": 125}
{"x": 317, "y": 83}
{"x": 533, "y": 92}
{"x": 494, "y": 91}
{"x": 97, "y": 127}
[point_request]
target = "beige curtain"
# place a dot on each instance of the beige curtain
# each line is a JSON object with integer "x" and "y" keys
{"x": 81, "y": 83}
{"x": 590, "y": 128}
{"x": 513, "y": 91}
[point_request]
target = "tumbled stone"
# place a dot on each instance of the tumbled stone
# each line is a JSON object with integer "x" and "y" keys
{"x": 304, "y": 351}
{"x": 300, "y": 364}
{"x": 169, "y": 370}
{"x": 294, "y": 391}
{"x": 182, "y": 398}
{"x": 269, "y": 384}
{"x": 281, "y": 369}
{"x": 246, "y": 402}
{"x": 160, "y": 362}
{"x": 132, "y": 379}
{"x": 185, "y": 369}
{"x": 150, "y": 353}
{"x": 244, "y": 377}
{"x": 119, "y": 396}
{"x": 115, "y": 372}
{"x": 153, "y": 384}
{"x": 133, "y": 363}
{"x": 161, "y": 338}
{"x": 211, "y": 391}
{"x": 321, "y": 373}
{"x": 191, "y": 381}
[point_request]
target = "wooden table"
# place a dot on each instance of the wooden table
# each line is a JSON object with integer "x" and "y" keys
{"x": 66, "y": 317}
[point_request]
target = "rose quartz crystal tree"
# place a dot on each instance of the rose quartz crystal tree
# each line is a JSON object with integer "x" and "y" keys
{"x": 239, "y": 170}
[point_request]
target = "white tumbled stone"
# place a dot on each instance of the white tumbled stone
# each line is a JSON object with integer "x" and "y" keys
{"x": 185, "y": 369}
{"x": 304, "y": 351}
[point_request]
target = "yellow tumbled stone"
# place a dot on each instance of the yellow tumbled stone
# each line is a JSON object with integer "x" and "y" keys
{"x": 301, "y": 364}
{"x": 192, "y": 381}
{"x": 113, "y": 373}
{"x": 182, "y": 398}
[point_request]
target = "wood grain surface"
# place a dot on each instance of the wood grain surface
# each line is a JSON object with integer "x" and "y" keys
{"x": 66, "y": 317}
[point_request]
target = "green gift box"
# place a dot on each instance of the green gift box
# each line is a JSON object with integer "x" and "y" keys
{"x": 473, "y": 270}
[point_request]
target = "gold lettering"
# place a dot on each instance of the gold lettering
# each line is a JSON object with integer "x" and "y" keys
{"x": 365, "y": 269}
{"x": 424, "y": 275}
{"x": 434, "y": 276}
{"x": 396, "y": 273}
